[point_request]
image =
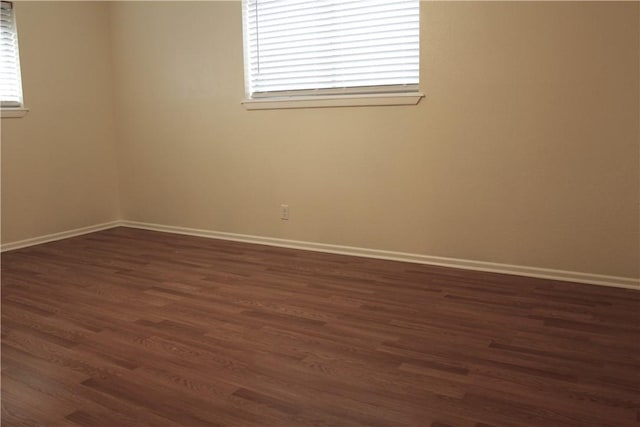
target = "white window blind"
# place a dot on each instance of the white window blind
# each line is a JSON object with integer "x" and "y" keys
{"x": 320, "y": 47}
{"x": 10, "y": 83}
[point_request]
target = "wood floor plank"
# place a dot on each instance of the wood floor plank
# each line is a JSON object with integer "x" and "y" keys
{"x": 126, "y": 327}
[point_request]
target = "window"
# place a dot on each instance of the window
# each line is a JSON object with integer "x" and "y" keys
{"x": 10, "y": 82}
{"x": 365, "y": 51}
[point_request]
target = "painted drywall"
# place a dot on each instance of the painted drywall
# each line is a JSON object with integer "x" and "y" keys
{"x": 58, "y": 162}
{"x": 525, "y": 150}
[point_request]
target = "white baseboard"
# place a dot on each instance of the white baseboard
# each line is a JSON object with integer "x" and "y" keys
{"x": 58, "y": 236}
{"x": 544, "y": 273}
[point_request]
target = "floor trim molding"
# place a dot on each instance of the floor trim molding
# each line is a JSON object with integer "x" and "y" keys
{"x": 544, "y": 273}
{"x": 58, "y": 236}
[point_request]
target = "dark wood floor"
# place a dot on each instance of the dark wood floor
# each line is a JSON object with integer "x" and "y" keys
{"x": 135, "y": 328}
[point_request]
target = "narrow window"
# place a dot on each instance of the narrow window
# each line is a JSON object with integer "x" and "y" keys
{"x": 10, "y": 81}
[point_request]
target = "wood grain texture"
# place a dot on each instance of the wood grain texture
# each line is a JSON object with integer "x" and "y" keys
{"x": 127, "y": 327}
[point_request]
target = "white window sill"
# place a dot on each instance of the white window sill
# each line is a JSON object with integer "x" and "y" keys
{"x": 333, "y": 101}
{"x": 8, "y": 112}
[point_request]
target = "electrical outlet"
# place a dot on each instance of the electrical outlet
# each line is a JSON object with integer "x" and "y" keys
{"x": 284, "y": 211}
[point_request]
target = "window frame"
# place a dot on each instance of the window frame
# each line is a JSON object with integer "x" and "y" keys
{"x": 318, "y": 98}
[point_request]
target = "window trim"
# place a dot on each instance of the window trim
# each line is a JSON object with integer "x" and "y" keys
{"x": 13, "y": 112}
{"x": 324, "y": 101}
{"x": 395, "y": 94}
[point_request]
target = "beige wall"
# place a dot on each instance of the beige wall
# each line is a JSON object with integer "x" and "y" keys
{"x": 58, "y": 162}
{"x": 525, "y": 150}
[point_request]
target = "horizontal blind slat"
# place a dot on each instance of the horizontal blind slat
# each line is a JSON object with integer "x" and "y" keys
{"x": 330, "y": 85}
{"x": 335, "y": 63}
{"x": 346, "y": 49}
{"x": 362, "y": 72}
{"x": 336, "y": 32}
{"x": 337, "y": 43}
{"x": 326, "y": 17}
